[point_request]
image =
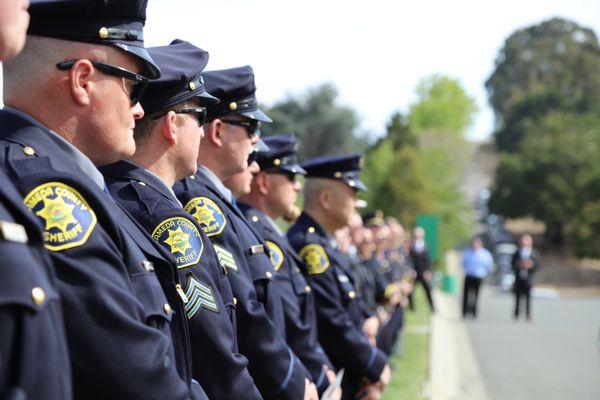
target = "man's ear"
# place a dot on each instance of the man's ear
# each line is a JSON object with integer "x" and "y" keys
{"x": 263, "y": 182}
{"x": 326, "y": 199}
{"x": 168, "y": 127}
{"x": 213, "y": 132}
{"x": 80, "y": 83}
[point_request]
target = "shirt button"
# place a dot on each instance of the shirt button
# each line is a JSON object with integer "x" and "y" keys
{"x": 307, "y": 288}
{"x": 28, "y": 150}
{"x": 352, "y": 294}
{"x": 38, "y": 295}
{"x": 311, "y": 230}
{"x": 254, "y": 218}
{"x": 269, "y": 274}
{"x": 235, "y": 301}
{"x": 167, "y": 308}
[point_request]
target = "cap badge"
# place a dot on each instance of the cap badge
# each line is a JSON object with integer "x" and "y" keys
{"x": 103, "y": 33}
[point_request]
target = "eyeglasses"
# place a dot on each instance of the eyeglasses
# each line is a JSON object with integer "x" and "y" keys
{"x": 251, "y": 126}
{"x": 200, "y": 114}
{"x": 291, "y": 176}
{"x": 139, "y": 82}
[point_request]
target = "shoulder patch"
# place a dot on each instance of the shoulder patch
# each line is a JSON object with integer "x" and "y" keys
{"x": 67, "y": 217}
{"x": 199, "y": 296}
{"x": 181, "y": 237}
{"x": 208, "y": 214}
{"x": 226, "y": 259}
{"x": 275, "y": 254}
{"x": 315, "y": 258}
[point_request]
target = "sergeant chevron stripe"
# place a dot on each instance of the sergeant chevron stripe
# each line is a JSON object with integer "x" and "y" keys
{"x": 199, "y": 296}
{"x": 225, "y": 258}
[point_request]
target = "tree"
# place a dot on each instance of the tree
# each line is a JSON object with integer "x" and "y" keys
{"x": 552, "y": 65}
{"x": 320, "y": 124}
{"x": 416, "y": 168}
{"x": 554, "y": 177}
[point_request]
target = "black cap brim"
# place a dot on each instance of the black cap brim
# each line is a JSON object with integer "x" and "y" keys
{"x": 257, "y": 115}
{"x": 356, "y": 184}
{"x": 151, "y": 70}
{"x": 294, "y": 168}
{"x": 207, "y": 99}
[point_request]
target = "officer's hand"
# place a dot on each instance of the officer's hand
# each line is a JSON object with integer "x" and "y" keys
{"x": 369, "y": 392}
{"x": 337, "y": 395}
{"x": 310, "y": 391}
{"x": 427, "y": 275}
{"x": 370, "y": 328}
{"x": 384, "y": 378}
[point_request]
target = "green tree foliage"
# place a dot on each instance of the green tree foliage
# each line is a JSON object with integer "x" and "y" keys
{"x": 416, "y": 167}
{"x": 552, "y": 65}
{"x": 555, "y": 177}
{"x": 546, "y": 95}
{"x": 321, "y": 125}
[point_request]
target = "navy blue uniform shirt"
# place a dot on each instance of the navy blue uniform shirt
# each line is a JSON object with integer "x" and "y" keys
{"x": 339, "y": 314}
{"x": 114, "y": 307}
{"x": 217, "y": 364}
{"x": 298, "y": 301}
{"x": 34, "y": 361}
{"x": 275, "y": 368}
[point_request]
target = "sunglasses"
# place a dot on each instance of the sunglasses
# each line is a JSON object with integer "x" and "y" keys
{"x": 291, "y": 176}
{"x": 251, "y": 126}
{"x": 200, "y": 114}
{"x": 139, "y": 82}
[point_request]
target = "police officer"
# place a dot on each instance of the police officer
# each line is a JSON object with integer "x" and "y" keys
{"x": 72, "y": 101}
{"x": 272, "y": 195}
{"x": 230, "y": 136}
{"x": 33, "y": 349}
{"x": 330, "y": 200}
{"x": 167, "y": 143}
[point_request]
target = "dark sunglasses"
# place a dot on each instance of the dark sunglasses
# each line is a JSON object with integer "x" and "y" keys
{"x": 251, "y": 126}
{"x": 139, "y": 82}
{"x": 200, "y": 114}
{"x": 291, "y": 176}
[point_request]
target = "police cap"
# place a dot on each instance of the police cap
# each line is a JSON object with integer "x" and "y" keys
{"x": 236, "y": 89}
{"x": 374, "y": 219}
{"x": 118, "y": 23}
{"x": 181, "y": 64}
{"x": 281, "y": 154}
{"x": 340, "y": 167}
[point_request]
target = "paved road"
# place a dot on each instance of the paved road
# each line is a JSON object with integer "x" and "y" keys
{"x": 555, "y": 356}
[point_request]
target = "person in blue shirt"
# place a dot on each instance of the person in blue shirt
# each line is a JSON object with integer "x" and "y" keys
{"x": 477, "y": 263}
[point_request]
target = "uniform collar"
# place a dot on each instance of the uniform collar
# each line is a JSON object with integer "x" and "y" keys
{"x": 78, "y": 158}
{"x": 212, "y": 178}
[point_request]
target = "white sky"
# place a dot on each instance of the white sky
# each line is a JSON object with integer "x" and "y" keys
{"x": 374, "y": 51}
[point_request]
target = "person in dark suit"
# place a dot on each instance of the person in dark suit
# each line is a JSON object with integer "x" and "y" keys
{"x": 525, "y": 263}
{"x": 419, "y": 256}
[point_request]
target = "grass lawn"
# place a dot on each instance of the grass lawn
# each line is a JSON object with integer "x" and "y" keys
{"x": 411, "y": 367}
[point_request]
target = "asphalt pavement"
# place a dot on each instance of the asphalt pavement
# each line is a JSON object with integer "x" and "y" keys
{"x": 556, "y": 355}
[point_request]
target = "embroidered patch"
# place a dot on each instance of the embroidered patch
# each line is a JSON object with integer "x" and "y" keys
{"x": 275, "y": 254}
{"x": 199, "y": 296}
{"x": 226, "y": 259}
{"x": 68, "y": 219}
{"x": 181, "y": 237}
{"x": 208, "y": 214}
{"x": 315, "y": 258}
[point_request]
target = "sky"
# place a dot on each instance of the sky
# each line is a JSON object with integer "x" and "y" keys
{"x": 375, "y": 52}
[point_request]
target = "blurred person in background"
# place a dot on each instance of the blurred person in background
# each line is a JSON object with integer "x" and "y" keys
{"x": 477, "y": 263}
{"x": 421, "y": 262}
{"x": 525, "y": 262}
